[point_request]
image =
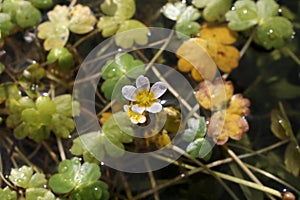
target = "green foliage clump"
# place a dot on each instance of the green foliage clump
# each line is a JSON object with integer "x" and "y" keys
{"x": 272, "y": 30}
{"x": 124, "y": 66}
{"x": 115, "y": 131}
{"x": 37, "y": 119}
{"x": 62, "y": 20}
{"x": 79, "y": 181}
{"x": 7, "y": 194}
{"x": 62, "y": 56}
{"x": 199, "y": 146}
{"x": 118, "y": 20}
{"x": 33, "y": 183}
{"x": 185, "y": 17}
{"x": 17, "y": 13}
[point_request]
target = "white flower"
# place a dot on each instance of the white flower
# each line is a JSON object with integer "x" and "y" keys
{"x": 143, "y": 97}
{"x": 134, "y": 117}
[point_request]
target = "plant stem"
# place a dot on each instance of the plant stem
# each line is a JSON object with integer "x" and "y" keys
{"x": 182, "y": 152}
{"x": 292, "y": 55}
{"x": 51, "y": 153}
{"x": 271, "y": 176}
{"x": 247, "y": 44}
{"x": 82, "y": 39}
{"x": 159, "y": 52}
{"x": 61, "y": 148}
{"x": 152, "y": 181}
{"x": 244, "y": 167}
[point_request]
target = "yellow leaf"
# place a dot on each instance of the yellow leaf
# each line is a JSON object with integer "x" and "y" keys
{"x": 219, "y": 33}
{"x": 194, "y": 54}
{"x": 104, "y": 117}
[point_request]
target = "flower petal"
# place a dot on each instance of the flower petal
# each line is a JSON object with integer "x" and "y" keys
{"x": 133, "y": 120}
{"x": 137, "y": 109}
{"x": 129, "y": 92}
{"x": 155, "y": 108}
{"x": 158, "y": 89}
{"x": 142, "y": 83}
{"x": 126, "y": 108}
{"x": 142, "y": 119}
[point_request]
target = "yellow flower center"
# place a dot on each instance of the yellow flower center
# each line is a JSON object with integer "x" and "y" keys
{"x": 145, "y": 98}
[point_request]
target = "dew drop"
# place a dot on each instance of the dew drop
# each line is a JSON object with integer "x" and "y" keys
{"x": 182, "y": 175}
{"x": 233, "y": 8}
{"x": 280, "y": 10}
{"x": 97, "y": 193}
{"x": 120, "y": 50}
{"x": 101, "y": 163}
{"x": 149, "y": 34}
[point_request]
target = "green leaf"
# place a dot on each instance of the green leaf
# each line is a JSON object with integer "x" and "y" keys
{"x": 55, "y": 34}
{"x": 110, "y": 141}
{"x": 44, "y": 4}
{"x": 21, "y": 177}
{"x": 82, "y": 20}
{"x": 196, "y": 129}
{"x": 267, "y": 8}
{"x": 243, "y": 16}
{"x": 108, "y": 7}
{"x": 173, "y": 11}
{"x": 137, "y": 33}
{"x": 65, "y": 106}
{"x": 60, "y": 14}
{"x": 6, "y": 25}
{"x": 45, "y": 105}
{"x": 115, "y": 126}
{"x": 108, "y": 25}
{"x": 115, "y": 71}
{"x": 187, "y": 28}
{"x": 32, "y": 73}
{"x": 62, "y": 55}
{"x": 200, "y": 148}
{"x": 274, "y": 32}
{"x": 292, "y": 159}
{"x": 39, "y": 194}
{"x": 7, "y": 194}
{"x": 27, "y": 15}
{"x": 62, "y": 126}
{"x": 215, "y": 10}
{"x": 93, "y": 191}
{"x": 72, "y": 175}
{"x": 93, "y": 140}
{"x": 108, "y": 87}
{"x": 125, "y": 8}
{"x": 38, "y": 180}
{"x": 280, "y": 126}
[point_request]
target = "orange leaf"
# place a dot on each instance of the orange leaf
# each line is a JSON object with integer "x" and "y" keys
{"x": 219, "y": 33}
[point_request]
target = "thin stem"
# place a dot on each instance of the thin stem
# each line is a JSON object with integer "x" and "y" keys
{"x": 82, "y": 39}
{"x": 181, "y": 151}
{"x": 72, "y": 4}
{"x": 247, "y": 44}
{"x": 61, "y": 149}
{"x": 159, "y": 52}
{"x": 271, "y": 176}
{"x": 127, "y": 188}
{"x": 153, "y": 182}
{"x": 50, "y": 151}
{"x": 243, "y": 167}
{"x": 249, "y": 184}
{"x": 292, "y": 55}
